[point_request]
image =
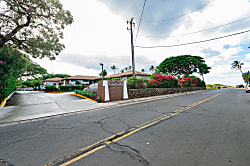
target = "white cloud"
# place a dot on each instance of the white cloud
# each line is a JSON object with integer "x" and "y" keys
{"x": 247, "y": 56}
{"x": 99, "y": 34}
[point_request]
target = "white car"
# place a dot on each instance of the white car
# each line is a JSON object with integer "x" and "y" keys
{"x": 248, "y": 88}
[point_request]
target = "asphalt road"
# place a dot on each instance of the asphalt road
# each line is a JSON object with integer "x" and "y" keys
{"x": 26, "y": 105}
{"x": 208, "y": 128}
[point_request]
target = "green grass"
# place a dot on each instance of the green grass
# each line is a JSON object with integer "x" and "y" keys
{"x": 210, "y": 87}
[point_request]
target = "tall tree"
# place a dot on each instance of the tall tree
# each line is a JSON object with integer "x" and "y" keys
{"x": 129, "y": 68}
{"x": 203, "y": 69}
{"x": 114, "y": 68}
{"x": 33, "y": 69}
{"x": 183, "y": 65}
{"x": 33, "y": 26}
{"x": 105, "y": 73}
{"x": 152, "y": 68}
{"x": 237, "y": 65}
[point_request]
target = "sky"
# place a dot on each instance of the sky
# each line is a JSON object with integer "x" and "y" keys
{"x": 99, "y": 35}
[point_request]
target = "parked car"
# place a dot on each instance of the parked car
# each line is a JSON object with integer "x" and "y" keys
{"x": 241, "y": 86}
{"x": 248, "y": 88}
{"x": 224, "y": 86}
{"x": 92, "y": 88}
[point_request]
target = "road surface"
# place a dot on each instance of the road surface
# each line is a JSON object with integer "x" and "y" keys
{"x": 207, "y": 128}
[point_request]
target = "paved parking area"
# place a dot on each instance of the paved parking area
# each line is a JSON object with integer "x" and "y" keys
{"x": 27, "y": 105}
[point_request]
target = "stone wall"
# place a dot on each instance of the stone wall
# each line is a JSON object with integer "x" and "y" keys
{"x": 138, "y": 93}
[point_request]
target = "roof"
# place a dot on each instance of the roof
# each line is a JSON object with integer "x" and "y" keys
{"x": 129, "y": 73}
{"x": 56, "y": 79}
{"x": 79, "y": 77}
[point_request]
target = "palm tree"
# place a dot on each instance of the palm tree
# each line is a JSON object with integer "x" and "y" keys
{"x": 126, "y": 68}
{"x": 237, "y": 65}
{"x": 114, "y": 68}
{"x": 129, "y": 68}
{"x": 142, "y": 70}
{"x": 104, "y": 73}
{"x": 152, "y": 68}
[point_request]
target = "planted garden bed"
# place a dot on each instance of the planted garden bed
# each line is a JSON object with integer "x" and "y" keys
{"x": 89, "y": 95}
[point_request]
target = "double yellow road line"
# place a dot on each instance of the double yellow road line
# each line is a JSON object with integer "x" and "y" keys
{"x": 71, "y": 158}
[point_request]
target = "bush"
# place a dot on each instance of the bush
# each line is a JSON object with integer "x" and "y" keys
{"x": 136, "y": 83}
{"x": 90, "y": 95}
{"x": 12, "y": 65}
{"x": 191, "y": 81}
{"x": 70, "y": 87}
{"x": 162, "y": 81}
{"x": 51, "y": 88}
{"x": 63, "y": 88}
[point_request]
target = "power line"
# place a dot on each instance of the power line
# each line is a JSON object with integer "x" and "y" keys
{"x": 196, "y": 31}
{"x": 140, "y": 20}
{"x": 171, "y": 18}
{"x": 196, "y": 41}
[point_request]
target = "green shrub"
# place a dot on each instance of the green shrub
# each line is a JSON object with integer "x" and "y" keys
{"x": 137, "y": 83}
{"x": 51, "y": 88}
{"x": 12, "y": 65}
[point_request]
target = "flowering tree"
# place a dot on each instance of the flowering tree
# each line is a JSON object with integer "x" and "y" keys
{"x": 191, "y": 81}
{"x": 162, "y": 81}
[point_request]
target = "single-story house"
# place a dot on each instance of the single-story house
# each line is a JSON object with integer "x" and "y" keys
{"x": 128, "y": 74}
{"x": 84, "y": 80}
{"x": 52, "y": 81}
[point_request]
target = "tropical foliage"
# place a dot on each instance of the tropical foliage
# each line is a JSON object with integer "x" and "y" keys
{"x": 191, "y": 81}
{"x": 12, "y": 66}
{"x": 104, "y": 73}
{"x": 246, "y": 77}
{"x": 162, "y": 81}
{"x": 237, "y": 65}
{"x": 63, "y": 88}
{"x": 34, "y": 26}
{"x": 114, "y": 68}
{"x": 90, "y": 95}
{"x": 183, "y": 65}
{"x": 137, "y": 83}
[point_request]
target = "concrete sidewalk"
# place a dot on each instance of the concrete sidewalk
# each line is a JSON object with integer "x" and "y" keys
{"x": 27, "y": 106}
{"x": 30, "y": 106}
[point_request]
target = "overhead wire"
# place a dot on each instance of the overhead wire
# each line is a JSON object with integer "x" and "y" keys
{"x": 184, "y": 34}
{"x": 182, "y": 15}
{"x": 197, "y": 42}
{"x": 140, "y": 19}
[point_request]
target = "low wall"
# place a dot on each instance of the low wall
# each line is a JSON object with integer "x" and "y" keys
{"x": 138, "y": 93}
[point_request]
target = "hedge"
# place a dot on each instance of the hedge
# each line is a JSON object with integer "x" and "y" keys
{"x": 63, "y": 87}
{"x": 12, "y": 65}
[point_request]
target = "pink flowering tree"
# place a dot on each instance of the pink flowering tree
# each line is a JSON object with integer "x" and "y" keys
{"x": 162, "y": 81}
{"x": 191, "y": 81}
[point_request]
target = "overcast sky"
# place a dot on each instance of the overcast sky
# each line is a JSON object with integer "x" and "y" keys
{"x": 99, "y": 35}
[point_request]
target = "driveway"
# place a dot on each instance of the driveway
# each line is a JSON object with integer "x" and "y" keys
{"x": 27, "y": 105}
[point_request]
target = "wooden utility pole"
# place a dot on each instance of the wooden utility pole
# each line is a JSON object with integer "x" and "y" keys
{"x": 132, "y": 45}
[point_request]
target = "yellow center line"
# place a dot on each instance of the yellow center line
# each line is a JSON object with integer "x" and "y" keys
{"x": 130, "y": 132}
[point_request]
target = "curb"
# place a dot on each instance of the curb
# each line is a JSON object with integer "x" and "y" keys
{"x": 5, "y": 100}
{"x": 119, "y": 103}
{"x": 84, "y": 97}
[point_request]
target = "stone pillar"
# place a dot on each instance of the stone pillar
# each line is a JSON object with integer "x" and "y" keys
{"x": 125, "y": 90}
{"x": 106, "y": 86}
